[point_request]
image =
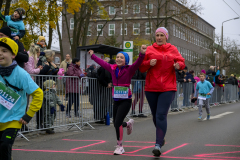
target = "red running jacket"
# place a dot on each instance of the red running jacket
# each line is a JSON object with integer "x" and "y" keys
{"x": 161, "y": 77}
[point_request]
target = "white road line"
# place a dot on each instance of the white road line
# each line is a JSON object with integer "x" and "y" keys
{"x": 218, "y": 116}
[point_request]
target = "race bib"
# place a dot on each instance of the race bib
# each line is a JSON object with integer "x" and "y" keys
{"x": 202, "y": 96}
{"x": 8, "y": 98}
{"x": 120, "y": 92}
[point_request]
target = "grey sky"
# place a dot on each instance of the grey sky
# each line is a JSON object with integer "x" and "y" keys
{"x": 217, "y": 11}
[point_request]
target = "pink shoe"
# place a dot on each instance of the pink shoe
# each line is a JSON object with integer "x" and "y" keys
{"x": 130, "y": 126}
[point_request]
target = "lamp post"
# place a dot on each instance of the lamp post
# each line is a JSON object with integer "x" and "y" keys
{"x": 222, "y": 36}
{"x": 123, "y": 22}
{"x": 215, "y": 54}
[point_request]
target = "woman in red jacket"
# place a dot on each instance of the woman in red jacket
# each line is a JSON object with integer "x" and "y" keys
{"x": 160, "y": 62}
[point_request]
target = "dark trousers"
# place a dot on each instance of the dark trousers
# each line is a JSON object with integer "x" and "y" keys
{"x": 73, "y": 98}
{"x": 120, "y": 111}
{"x": 7, "y": 138}
{"x": 159, "y": 103}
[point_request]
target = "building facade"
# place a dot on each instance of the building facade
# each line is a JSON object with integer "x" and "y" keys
{"x": 191, "y": 34}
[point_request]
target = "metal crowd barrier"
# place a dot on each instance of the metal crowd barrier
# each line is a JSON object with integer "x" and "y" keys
{"x": 87, "y": 101}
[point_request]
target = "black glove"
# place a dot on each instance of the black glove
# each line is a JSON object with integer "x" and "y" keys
{"x": 62, "y": 107}
{"x": 27, "y": 118}
{"x": 52, "y": 110}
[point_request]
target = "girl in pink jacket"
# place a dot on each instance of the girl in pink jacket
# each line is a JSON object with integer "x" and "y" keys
{"x": 121, "y": 76}
{"x": 31, "y": 65}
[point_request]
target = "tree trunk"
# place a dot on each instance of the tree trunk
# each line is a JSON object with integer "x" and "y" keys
{"x": 7, "y": 9}
{"x": 1, "y": 2}
{"x": 50, "y": 33}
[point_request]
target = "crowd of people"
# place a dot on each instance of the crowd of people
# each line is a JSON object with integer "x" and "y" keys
{"x": 160, "y": 65}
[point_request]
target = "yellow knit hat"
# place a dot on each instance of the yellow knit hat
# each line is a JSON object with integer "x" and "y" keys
{"x": 9, "y": 44}
{"x": 232, "y": 75}
{"x": 41, "y": 38}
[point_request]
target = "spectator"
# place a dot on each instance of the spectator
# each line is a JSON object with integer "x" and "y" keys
{"x": 180, "y": 75}
{"x": 231, "y": 80}
{"x": 31, "y": 65}
{"x": 73, "y": 88}
{"x": 92, "y": 71}
{"x": 50, "y": 102}
{"x": 48, "y": 68}
{"x": 203, "y": 71}
{"x": 219, "y": 87}
{"x": 22, "y": 56}
{"x": 105, "y": 89}
{"x": 235, "y": 80}
{"x": 64, "y": 64}
{"x": 42, "y": 43}
{"x": 138, "y": 90}
{"x": 189, "y": 88}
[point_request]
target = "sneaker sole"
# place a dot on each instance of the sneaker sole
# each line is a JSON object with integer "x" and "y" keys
{"x": 118, "y": 154}
{"x": 156, "y": 153}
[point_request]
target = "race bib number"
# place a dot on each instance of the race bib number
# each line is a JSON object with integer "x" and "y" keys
{"x": 202, "y": 96}
{"x": 120, "y": 92}
{"x": 8, "y": 98}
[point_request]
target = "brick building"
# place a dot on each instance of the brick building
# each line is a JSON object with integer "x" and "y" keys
{"x": 191, "y": 34}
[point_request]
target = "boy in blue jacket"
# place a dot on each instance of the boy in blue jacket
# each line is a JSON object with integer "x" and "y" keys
{"x": 204, "y": 90}
{"x": 15, "y": 83}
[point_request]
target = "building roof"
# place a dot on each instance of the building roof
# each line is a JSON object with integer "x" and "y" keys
{"x": 101, "y": 48}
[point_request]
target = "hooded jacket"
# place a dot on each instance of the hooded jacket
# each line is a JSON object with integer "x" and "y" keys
{"x": 162, "y": 76}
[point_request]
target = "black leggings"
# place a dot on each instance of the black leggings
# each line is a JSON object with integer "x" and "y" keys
{"x": 120, "y": 111}
{"x": 7, "y": 138}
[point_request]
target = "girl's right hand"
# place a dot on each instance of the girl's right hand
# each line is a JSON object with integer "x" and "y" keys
{"x": 90, "y": 52}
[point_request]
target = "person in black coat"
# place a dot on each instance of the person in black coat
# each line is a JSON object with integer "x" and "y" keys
{"x": 138, "y": 90}
{"x": 22, "y": 56}
{"x": 180, "y": 75}
{"x": 104, "y": 93}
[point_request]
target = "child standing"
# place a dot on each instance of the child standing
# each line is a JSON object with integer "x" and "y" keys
{"x": 121, "y": 74}
{"x": 204, "y": 90}
{"x": 15, "y": 23}
{"x": 15, "y": 82}
{"x": 49, "y": 104}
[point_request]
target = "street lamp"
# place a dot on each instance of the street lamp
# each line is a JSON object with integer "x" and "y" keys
{"x": 215, "y": 54}
{"x": 222, "y": 36}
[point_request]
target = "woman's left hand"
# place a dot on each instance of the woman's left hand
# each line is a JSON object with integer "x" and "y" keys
{"x": 176, "y": 65}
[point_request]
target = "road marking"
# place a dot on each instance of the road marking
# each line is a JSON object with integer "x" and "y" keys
{"x": 218, "y": 116}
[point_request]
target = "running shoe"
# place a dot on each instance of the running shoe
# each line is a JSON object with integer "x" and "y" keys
{"x": 119, "y": 150}
{"x": 130, "y": 126}
{"x": 141, "y": 115}
{"x": 208, "y": 116}
{"x": 200, "y": 118}
{"x": 157, "y": 151}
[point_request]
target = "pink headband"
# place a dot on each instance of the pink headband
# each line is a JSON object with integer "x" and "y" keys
{"x": 163, "y": 30}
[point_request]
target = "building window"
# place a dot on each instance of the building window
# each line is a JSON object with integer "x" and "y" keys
{"x": 71, "y": 23}
{"x": 174, "y": 29}
{"x": 89, "y": 32}
{"x": 57, "y": 60}
{"x": 126, "y": 9}
{"x": 111, "y": 10}
{"x": 99, "y": 29}
{"x": 149, "y": 8}
{"x": 125, "y": 29}
{"x": 100, "y": 10}
{"x": 136, "y": 28}
{"x": 136, "y": 8}
{"x": 111, "y": 30}
{"x": 148, "y": 28}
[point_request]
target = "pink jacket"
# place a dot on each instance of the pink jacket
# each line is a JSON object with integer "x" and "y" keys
{"x": 30, "y": 67}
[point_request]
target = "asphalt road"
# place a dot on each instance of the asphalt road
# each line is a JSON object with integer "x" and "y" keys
{"x": 187, "y": 138}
